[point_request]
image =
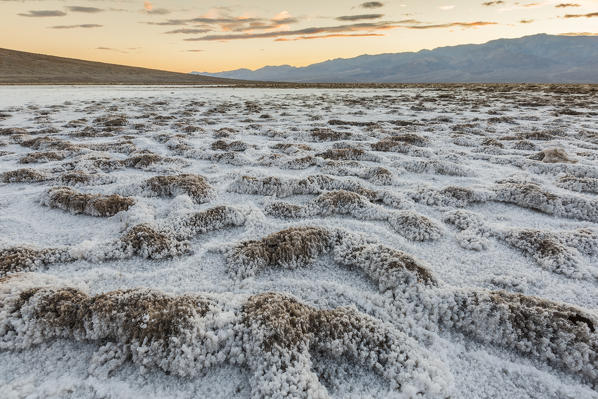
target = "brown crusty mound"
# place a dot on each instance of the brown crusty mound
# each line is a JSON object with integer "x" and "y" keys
{"x": 67, "y": 199}
{"x": 19, "y": 259}
{"x": 290, "y": 248}
{"x": 553, "y": 155}
{"x": 146, "y": 241}
{"x": 26, "y": 175}
{"x": 195, "y": 186}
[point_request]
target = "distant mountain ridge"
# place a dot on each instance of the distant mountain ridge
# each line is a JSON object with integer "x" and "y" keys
{"x": 539, "y": 59}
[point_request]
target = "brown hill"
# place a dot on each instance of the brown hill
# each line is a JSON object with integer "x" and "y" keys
{"x": 18, "y": 67}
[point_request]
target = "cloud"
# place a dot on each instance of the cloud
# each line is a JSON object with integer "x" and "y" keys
{"x": 333, "y": 35}
{"x": 189, "y": 31}
{"x": 43, "y": 13}
{"x": 282, "y": 15}
{"x": 451, "y": 25}
{"x": 194, "y": 51}
{"x": 205, "y": 20}
{"x": 148, "y": 8}
{"x": 364, "y": 26}
{"x": 112, "y": 49}
{"x": 88, "y": 10}
{"x": 446, "y": 8}
{"x": 359, "y": 17}
{"x": 579, "y": 34}
{"x": 86, "y": 26}
{"x": 213, "y": 21}
{"x": 565, "y": 5}
{"x": 526, "y": 21}
{"x": 242, "y": 25}
{"x": 372, "y": 4}
{"x": 169, "y": 22}
{"x": 493, "y": 3}
{"x": 520, "y": 6}
{"x": 300, "y": 32}
{"x": 590, "y": 15}
{"x": 157, "y": 11}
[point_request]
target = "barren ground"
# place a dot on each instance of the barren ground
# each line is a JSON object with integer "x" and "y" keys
{"x": 217, "y": 242}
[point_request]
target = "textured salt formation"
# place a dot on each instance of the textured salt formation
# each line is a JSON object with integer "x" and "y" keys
{"x": 405, "y": 144}
{"x": 167, "y": 240}
{"x": 291, "y": 330}
{"x": 24, "y": 176}
{"x": 451, "y": 196}
{"x": 493, "y": 317}
{"x": 550, "y": 250}
{"x": 80, "y": 178}
{"x": 558, "y": 251}
{"x": 217, "y": 218}
{"x": 553, "y": 155}
{"x": 49, "y": 143}
{"x": 530, "y": 195}
{"x": 291, "y": 148}
{"x": 300, "y": 246}
{"x": 194, "y": 186}
{"x": 124, "y": 147}
{"x": 18, "y": 259}
{"x": 225, "y": 158}
{"x": 581, "y": 184}
{"x": 348, "y": 154}
{"x": 112, "y": 120}
{"x": 289, "y": 249}
{"x": 42, "y": 157}
{"x": 142, "y": 161}
{"x": 93, "y": 163}
{"x": 560, "y": 335}
{"x": 407, "y": 223}
{"x": 221, "y": 145}
{"x": 317, "y": 184}
{"x": 272, "y": 334}
{"x": 327, "y": 134}
{"x": 377, "y": 175}
{"x": 143, "y": 240}
{"x": 147, "y": 242}
{"x": 444, "y": 152}
{"x": 554, "y": 169}
{"x": 299, "y": 163}
{"x": 474, "y": 234}
{"x": 74, "y": 202}
{"x": 437, "y": 167}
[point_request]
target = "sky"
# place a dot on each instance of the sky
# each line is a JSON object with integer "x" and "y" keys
{"x": 213, "y": 36}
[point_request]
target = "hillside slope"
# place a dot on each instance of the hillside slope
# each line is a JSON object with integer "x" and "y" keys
{"x": 18, "y": 67}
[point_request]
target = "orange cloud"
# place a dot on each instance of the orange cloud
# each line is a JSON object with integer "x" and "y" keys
{"x": 452, "y": 25}
{"x": 340, "y": 29}
{"x": 282, "y": 39}
{"x": 579, "y": 34}
{"x": 589, "y": 15}
{"x": 148, "y": 6}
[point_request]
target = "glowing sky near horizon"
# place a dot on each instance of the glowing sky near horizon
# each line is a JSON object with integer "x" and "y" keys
{"x": 211, "y": 36}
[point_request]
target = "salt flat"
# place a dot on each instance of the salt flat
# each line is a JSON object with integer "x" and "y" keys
{"x": 218, "y": 242}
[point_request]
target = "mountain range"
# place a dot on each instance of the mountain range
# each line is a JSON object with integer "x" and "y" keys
{"x": 538, "y": 58}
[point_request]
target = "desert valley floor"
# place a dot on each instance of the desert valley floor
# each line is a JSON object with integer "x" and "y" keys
{"x": 437, "y": 242}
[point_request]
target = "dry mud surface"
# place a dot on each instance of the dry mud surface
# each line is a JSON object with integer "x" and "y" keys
{"x": 433, "y": 242}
